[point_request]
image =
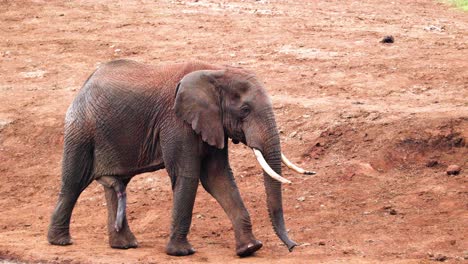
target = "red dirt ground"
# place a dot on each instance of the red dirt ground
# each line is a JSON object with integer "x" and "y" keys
{"x": 370, "y": 118}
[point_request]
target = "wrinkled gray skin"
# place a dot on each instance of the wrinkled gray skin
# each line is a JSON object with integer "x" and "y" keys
{"x": 131, "y": 118}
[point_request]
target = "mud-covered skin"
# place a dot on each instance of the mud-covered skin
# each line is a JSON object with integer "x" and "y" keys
{"x": 131, "y": 118}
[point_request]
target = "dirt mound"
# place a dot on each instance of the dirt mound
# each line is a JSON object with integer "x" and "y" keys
{"x": 396, "y": 145}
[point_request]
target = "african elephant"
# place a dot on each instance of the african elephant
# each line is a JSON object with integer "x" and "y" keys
{"x": 131, "y": 118}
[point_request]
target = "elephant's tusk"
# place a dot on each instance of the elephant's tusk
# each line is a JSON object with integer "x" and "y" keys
{"x": 294, "y": 167}
{"x": 267, "y": 167}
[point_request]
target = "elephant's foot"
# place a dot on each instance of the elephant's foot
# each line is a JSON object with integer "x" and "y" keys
{"x": 59, "y": 236}
{"x": 179, "y": 248}
{"x": 123, "y": 240}
{"x": 249, "y": 248}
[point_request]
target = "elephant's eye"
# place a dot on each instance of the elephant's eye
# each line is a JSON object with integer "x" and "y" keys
{"x": 245, "y": 111}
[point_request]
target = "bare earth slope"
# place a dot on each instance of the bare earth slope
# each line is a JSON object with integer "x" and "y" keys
{"x": 379, "y": 122}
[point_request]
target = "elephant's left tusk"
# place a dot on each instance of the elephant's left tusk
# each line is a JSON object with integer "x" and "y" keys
{"x": 294, "y": 167}
{"x": 267, "y": 167}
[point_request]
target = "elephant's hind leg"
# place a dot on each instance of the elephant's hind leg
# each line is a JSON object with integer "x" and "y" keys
{"x": 77, "y": 170}
{"x": 120, "y": 235}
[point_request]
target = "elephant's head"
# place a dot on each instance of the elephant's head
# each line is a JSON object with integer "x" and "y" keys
{"x": 233, "y": 103}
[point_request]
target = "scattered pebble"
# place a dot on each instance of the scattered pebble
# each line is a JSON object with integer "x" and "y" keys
{"x": 438, "y": 257}
{"x": 6, "y": 53}
{"x": 305, "y": 244}
{"x": 431, "y": 163}
{"x": 434, "y": 28}
{"x": 388, "y": 39}
{"x": 453, "y": 170}
{"x": 301, "y": 199}
{"x": 392, "y": 212}
{"x": 4, "y": 123}
{"x": 321, "y": 243}
{"x": 293, "y": 134}
{"x": 33, "y": 74}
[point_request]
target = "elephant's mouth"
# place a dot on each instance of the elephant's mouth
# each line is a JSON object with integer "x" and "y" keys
{"x": 236, "y": 139}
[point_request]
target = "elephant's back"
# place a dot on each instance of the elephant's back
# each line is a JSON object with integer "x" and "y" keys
{"x": 123, "y": 106}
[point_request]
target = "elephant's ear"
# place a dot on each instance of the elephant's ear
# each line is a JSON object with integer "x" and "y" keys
{"x": 198, "y": 103}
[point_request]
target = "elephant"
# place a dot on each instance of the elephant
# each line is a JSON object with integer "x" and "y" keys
{"x": 130, "y": 118}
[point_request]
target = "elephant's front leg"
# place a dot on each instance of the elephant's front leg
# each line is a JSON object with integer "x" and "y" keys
{"x": 121, "y": 237}
{"x": 185, "y": 189}
{"x": 217, "y": 179}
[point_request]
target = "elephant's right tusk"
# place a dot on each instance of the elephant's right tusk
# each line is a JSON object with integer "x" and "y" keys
{"x": 294, "y": 167}
{"x": 267, "y": 167}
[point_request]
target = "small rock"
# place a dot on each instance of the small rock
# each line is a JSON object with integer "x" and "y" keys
{"x": 453, "y": 170}
{"x": 6, "y": 53}
{"x": 439, "y": 257}
{"x": 293, "y": 134}
{"x": 388, "y": 39}
{"x": 390, "y": 210}
{"x": 4, "y": 123}
{"x": 301, "y": 199}
{"x": 434, "y": 28}
{"x": 373, "y": 116}
{"x": 33, "y": 74}
{"x": 431, "y": 163}
{"x": 200, "y": 216}
{"x": 305, "y": 244}
{"x": 321, "y": 243}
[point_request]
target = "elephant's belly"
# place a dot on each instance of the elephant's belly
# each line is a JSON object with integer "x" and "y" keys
{"x": 122, "y": 167}
{"x": 127, "y": 158}
{"x": 149, "y": 168}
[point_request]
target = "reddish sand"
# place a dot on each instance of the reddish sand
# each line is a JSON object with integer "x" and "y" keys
{"x": 380, "y": 123}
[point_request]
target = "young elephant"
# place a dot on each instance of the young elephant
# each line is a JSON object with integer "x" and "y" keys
{"x": 131, "y": 118}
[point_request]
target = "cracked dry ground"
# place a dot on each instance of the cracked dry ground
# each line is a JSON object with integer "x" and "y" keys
{"x": 379, "y": 122}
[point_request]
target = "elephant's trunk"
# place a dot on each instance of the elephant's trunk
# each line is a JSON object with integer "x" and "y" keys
{"x": 272, "y": 153}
